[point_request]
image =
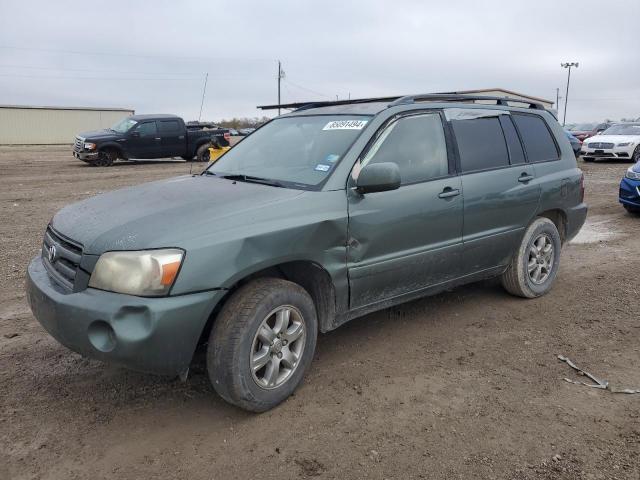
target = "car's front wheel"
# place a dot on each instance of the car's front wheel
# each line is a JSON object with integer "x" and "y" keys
{"x": 105, "y": 158}
{"x": 262, "y": 343}
{"x": 534, "y": 266}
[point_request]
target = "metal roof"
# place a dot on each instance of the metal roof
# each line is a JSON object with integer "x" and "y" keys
{"x": 41, "y": 107}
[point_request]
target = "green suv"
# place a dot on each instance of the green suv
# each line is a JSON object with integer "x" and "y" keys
{"x": 320, "y": 216}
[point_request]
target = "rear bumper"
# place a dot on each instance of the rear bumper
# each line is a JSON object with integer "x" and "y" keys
{"x": 629, "y": 193}
{"x": 154, "y": 335}
{"x": 575, "y": 219}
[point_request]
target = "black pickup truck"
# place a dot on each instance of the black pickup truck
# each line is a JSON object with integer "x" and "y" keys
{"x": 149, "y": 136}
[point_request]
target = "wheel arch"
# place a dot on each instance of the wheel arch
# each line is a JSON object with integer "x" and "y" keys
{"x": 113, "y": 146}
{"x": 559, "y": 218}
{"x": 310, "y": 275}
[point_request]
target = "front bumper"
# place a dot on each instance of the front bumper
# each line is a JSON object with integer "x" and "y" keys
{"x": 154, "y": 335}
{"x": 84, "y": 155}
{"x": 629, "y": 192}
{"x": 625, "y": 153}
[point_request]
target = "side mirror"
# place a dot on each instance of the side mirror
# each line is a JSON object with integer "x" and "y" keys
{"x": 135, "y": 134}
{"x": 378, "y": 177}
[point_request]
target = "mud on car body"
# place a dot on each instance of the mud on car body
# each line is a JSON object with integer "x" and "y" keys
{"x": 318, "y": 217}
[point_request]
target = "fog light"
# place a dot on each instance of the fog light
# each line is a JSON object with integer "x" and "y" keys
{"x": 102, "y": 336}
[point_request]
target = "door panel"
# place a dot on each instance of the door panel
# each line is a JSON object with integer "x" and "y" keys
{"x": 498, "y": 205}
{"x": 173, "y": 138}
{"x": 403, "y": 240}
{"x": 143, "y": 141}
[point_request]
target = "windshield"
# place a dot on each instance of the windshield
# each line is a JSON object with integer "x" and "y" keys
{"x": 298, "y": 152}
{"x": 620, "y": 129}
{"x": 124, "y": 125}
{"x": 583, "y": 127}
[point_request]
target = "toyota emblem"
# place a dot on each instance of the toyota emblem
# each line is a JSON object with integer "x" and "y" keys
{"x": 53, "y": 254}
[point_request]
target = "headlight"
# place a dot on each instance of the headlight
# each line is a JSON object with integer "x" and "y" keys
{"x": 146, "y": 273}
{"x": 89, "y": 146}
{"x": 624, "y": 144}
{"x": 632, "y": 175}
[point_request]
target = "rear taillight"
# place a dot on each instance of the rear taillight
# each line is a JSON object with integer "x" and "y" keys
{"x": 582, "y": 188}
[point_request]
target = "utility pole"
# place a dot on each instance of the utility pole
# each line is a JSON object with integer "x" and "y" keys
{"x": 568, "y": 66}
{"x": 280, "y": 77}
{"x": 204, "y": 90}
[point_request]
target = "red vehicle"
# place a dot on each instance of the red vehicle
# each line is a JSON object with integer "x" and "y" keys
{"x": 586, "y": 130}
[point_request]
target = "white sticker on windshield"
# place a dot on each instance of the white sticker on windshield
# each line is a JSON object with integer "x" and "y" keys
{"x": 345, "y": 125}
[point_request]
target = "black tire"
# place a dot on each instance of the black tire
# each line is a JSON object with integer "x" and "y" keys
{"x": 518, "y": 280}
{"x": 636, "y": 155}
{"x": 188, "y": 158}
{"x": 632, "y": 210}
{"x": 588, "y": 159}
{"x": 105, "y": 158}
{"x": 232, "y": 343}
{"x": 202, "y": 154}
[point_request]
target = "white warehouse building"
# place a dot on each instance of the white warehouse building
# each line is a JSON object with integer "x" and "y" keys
{"x": 27, "y": 125}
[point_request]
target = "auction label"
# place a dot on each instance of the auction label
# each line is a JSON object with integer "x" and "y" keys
{"x": 345, "y": 125}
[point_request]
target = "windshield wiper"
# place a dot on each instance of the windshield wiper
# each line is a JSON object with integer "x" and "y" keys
{"x": 251, "y": 179}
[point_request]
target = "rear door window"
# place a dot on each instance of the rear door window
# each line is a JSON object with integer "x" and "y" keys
{"x": 516, "y": 154}
{"x": 481, "y": 143}
{"x": 169, "y": 127}
{"x": 536, "y": 137}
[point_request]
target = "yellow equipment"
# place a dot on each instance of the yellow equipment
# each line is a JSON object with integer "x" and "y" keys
{"x": 215, "y": 153}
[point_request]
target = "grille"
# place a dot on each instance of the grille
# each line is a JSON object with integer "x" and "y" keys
{"x": 61, "y": 258}
{"x": 600, "y": 145}
{"x": 79, "y": 143}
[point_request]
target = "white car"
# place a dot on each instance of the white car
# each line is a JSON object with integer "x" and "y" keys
{"x": 620, "y": 141}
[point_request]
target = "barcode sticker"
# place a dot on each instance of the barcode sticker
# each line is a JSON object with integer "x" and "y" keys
{"x": 345, "y": 125}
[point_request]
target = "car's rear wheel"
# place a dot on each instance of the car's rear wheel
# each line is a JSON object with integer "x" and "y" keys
{"x": 636, "y": 154}
{"x": 262, "y": 343}
{"x": 534, "y": 267}
{"x": 202, "y": 154}
{"x": 105, "y": 158}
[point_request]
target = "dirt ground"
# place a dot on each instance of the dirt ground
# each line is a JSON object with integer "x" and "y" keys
{"x": 462, "y": 385}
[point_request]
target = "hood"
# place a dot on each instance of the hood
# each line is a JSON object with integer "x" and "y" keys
{"x": 168, "y": 213}
{"x": 95, "y": 134}
{"x": 614, "y": 139}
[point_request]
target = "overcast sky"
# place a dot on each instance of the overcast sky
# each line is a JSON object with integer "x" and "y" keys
{"x": 152, "y": 56}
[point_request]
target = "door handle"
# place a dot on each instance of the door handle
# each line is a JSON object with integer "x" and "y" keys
{"x": 158, "y": 138}
{"x": 525, "y": 177}
{"x": 449, "y": 192}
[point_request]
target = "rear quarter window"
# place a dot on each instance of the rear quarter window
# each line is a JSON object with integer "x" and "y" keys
{"x": 536, "y": 137}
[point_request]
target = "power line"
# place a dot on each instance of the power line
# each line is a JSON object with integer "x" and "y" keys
{"x": 92, "y": 70}
{"x": 137, "y": 55}
{"x": 96, "y": 78}
{"x": 306, "y": 89}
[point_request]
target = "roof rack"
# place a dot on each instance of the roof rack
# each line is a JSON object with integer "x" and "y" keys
{"x": 457, "y": 97}
{"x": 407, "y": 100}
{"x": 327, "y": 103}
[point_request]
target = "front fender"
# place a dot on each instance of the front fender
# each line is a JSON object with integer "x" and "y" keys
{"x": 313, "y": 229}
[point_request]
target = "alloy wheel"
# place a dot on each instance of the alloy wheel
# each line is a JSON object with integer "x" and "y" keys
{"x": 541, "y": 259}
{"x": 278, "y": 347}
